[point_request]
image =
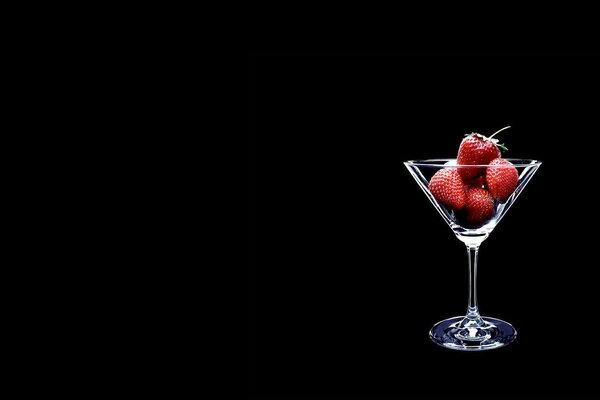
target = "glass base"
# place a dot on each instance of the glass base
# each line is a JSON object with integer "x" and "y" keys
{"x": 482, "y": 333}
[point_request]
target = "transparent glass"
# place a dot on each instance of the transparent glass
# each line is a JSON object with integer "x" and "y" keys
{"x": 472, "y": 332}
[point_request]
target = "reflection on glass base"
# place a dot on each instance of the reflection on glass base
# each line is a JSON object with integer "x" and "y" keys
{"x": 484, "y": 333}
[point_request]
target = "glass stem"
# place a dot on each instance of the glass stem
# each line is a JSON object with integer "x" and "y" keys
{"x": 473, "y": 309}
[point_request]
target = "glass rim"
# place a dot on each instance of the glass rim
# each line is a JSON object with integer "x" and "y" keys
{"x": 440, "y": 162}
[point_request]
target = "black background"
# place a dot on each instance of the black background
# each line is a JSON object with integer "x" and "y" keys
{"x": 350, "y": 265}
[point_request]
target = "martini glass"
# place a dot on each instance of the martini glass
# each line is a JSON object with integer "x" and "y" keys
{"x": 471, "y": 332}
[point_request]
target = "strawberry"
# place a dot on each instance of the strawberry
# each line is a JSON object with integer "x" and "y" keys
{"x": 447, "y": 188}
{"x": 475, "y": 182}
{"x": 479, "y": 205}
{"x": 501, "y": 181}
{"x": 477, "y": 149}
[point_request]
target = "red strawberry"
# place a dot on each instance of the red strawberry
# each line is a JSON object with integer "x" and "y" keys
{"x": 477, "y": 149}
{"x": 475, "y": 182}
{"x": 479, "y": 204}
{"x": 501, "y": 181}
{"x": 447, "y": 188}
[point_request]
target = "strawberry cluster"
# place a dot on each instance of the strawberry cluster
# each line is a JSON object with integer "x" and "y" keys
{"x": 473, "y": 192}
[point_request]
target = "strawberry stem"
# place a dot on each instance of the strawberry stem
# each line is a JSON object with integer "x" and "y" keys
{"x": 495, "y": 133}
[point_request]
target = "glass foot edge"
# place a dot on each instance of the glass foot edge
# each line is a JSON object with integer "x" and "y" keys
{"x": 449, "y": 334}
